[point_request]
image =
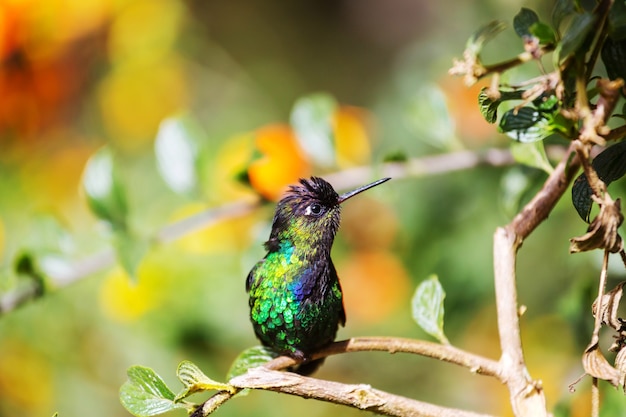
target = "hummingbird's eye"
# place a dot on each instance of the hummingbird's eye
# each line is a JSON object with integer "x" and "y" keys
{"x": 314, "y": 209}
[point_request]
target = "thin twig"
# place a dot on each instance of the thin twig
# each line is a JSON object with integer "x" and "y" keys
{"x": 422, "y": 167}
{"x": 474, "y": 363}
{"x": 415, "y": 167}
{"x": 518, "y": 60}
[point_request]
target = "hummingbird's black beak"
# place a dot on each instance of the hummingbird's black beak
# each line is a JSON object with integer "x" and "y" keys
{"x": 349, "y": 194}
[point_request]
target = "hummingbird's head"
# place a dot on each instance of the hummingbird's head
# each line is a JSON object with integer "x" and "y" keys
{"x": 310, "y": 212}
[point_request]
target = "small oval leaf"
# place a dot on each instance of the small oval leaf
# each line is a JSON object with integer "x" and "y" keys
{"x": 487, "y": 32}
{"x": 562, "y": 9}
{"x": 176, "y": 150}
{"x": 194, "y": 380}
{"x": 427, "y": 307}
{"x": 311, "y": 119}
{"x": 523, "y": 21}
{"x": 146, "y": 394}
{"x": 574, "y": 37}
{"x": 130, "y": 251}
{"x": 525, "y": 125}
{"x": 610, "y": 165}
{"x": 617, "y": 21}
{"x": 543, "y": 32}
{"x": 249, "y": 358}
{"x": 532, "y": 154}
{"x": 105, "y": 194}
{"x": 614, "y": 57}
{"x": 489, "y": 107}
{"x": 515, "y": 184}
{"x": 428, "y": 117}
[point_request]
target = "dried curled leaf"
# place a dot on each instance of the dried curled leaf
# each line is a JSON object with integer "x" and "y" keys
{"x": 602, "y": 232}
{"x": 620, "y": 365}
{"x": 597, "y": 366}
{"x": 609, "y": 306}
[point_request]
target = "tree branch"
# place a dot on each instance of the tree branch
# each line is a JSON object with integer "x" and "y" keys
{"x": 474, "y": 363}
{"x": 415, "y": 167}
{"x": 527, "y": 396}
{"x": 358, "y": 396}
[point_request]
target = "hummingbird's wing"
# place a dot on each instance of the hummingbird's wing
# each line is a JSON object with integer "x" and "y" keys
{"x": 334, "y": 277}
{"x": 250, "y": 278}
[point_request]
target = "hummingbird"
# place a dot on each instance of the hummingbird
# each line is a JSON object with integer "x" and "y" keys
{"x": 296, "y": 302}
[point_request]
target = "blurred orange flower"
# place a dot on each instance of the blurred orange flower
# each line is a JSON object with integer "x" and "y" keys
{"x": 472, "y": 128}
{"x": 375, "y": 285}
{"x": 282, "y": 161}
{"x": 46, "y": 61}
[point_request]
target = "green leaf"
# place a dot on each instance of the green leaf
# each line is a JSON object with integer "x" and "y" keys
{"x": 427, "y": 307}
{"x": 487, "y": 32}
{"x": 194, "y": 380}
{"x": 145, "y": 393}
{"x": 311, "y": 119}
{"x": 49, "y": 245}
{"x": 515, "y": 184}
{"x": 427, "y": 115}
{"x": 176, "y": 148}
{"x": 104, "y": 192}
{"x": 562, "y": 9}
{"x": 576, "y": 34}
{"x": 546, "y": 102}
{"x": 395, "y": 156}
{"x": 489, "y": 107}
{"x": 523, "y": 21}
{"x": 526, "y": 124}
{"x": 532, "y": 154}
{"x": 617, "y": 21}
{"x": 610, "y": 165}
{"x": 543, "y": 32}
{"x": 249, "y": 358}
{"x": 48, "y": 234}
{"x": 130, "y": 251}
{"x": 614, "y": 58}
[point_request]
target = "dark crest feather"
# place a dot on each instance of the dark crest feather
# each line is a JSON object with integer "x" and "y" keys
{"x": 315, "y": 188}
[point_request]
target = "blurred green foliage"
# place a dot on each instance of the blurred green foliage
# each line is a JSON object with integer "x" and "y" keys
{"x": 83, "y": 75}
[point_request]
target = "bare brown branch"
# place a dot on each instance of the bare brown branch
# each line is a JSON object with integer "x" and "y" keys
{"x": 360, "y": 396}
{"x": 345, "y": 394}
{"x": 527, "y": 398}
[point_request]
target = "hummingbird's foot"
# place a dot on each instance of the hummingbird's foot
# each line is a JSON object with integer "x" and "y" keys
{"x": 306, "y": 365}
{"x": 300, "y": 356}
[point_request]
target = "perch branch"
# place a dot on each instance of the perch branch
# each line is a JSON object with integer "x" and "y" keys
{"x": 474, "y": 363}
{"x": 360, "y": 396}
{"x": 367, "y": 398}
